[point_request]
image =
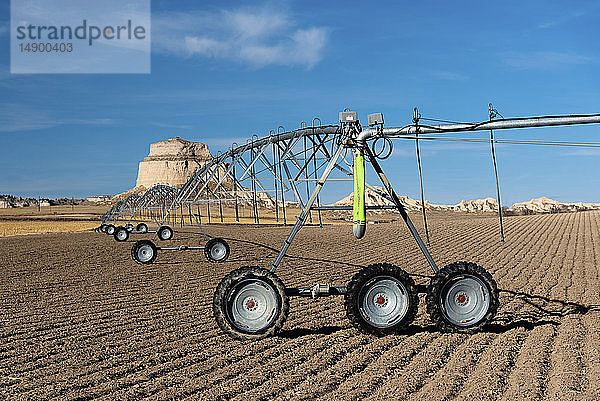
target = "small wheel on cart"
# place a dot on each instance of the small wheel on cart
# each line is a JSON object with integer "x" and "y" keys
{"x": 165, "y": 233}
{"x": 462, "y": 297}
{"x": 144, "y": 252}
{"x": 381, "y": 299}
{"x": 216, "y": 250}
{"x": 250, "y": 303}
{"x": 103, "y": 228}
{"x": 142, "y": 228}
{"x": 110, "y": 229}
{"x": 129, "y": 227}
{"x": 121, "y": 234}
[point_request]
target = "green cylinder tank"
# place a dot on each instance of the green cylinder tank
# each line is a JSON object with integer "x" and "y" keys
{"x": 359, "y": 217}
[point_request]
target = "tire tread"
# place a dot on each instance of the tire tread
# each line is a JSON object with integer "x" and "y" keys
{"x": 366, "y": 274}
{"x": 437, "y": 283}
{"x": 219, "y": 302}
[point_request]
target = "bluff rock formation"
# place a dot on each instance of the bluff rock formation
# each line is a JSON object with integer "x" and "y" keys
{"x": 545, "y": 205}
{"x": 534, "y": 206}
{"x": 375, "y": 199}
{"x": 172, "y": 162}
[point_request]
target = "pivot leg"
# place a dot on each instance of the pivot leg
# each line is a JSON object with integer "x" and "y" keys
{"x": 401, "y": 209}
{"x": 306, "y": 210}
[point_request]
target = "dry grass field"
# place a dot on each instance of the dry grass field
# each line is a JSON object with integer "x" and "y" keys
{"x": 80, "y": 320}
{"x": 49, "y": 219}
{"x": 22, "y": 227}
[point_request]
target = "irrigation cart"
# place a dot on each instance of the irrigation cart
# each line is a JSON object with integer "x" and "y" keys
{"x": 161, "y": 203}
{"x": 151, "y": 206}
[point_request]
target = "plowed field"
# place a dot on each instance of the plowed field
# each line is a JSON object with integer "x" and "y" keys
{"x": 80, "y": 320}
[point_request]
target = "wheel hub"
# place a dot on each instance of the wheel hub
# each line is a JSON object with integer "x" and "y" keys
{"x": 217, "y": 251}
{"x": 465, "y": 300}
{"x": 145, "y": 253}
{"x": 381, "y": 300}
{"x": 462, "y": 299}
{"x": 250, "y": 304}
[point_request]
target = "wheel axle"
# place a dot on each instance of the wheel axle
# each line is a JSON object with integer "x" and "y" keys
{"x": 316, "y": 291}
{"x": 326, "y": 290}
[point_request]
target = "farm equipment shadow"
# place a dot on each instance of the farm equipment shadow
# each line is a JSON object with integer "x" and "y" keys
{"x": 545, "y": 311}
{"x": 287, "y": 256}
{"x": 539, "y": 311}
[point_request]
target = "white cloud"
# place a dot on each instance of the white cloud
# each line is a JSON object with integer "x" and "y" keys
{"x": 544, "y": 60}
{"x": 256, "y": 37}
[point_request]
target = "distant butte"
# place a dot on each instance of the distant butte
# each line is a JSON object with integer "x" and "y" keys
{"x": 172, "y": 162}
{"x": 534, "y": 206}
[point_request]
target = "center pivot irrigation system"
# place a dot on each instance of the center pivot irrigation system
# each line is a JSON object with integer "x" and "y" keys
{"x": 252, "y": 302}
{"x": 261, "y": 180}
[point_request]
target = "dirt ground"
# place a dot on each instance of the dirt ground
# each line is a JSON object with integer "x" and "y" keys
{"x": 80, "y": 320}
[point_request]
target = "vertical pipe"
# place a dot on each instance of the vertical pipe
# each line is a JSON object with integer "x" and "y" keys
{"x": 409, "y": 224}
{"x": 208, "y": 205}
{"x": 275, "y": 177}
{"x": 281, "y": 176}
{"x": 217, "y": 191}
{"x": 416, "y": 122}
{"x": 252, "y": 173}
{"x": 237, "y": 214}
{"x": 315, "y": 167}
{"x": 492, "y": 115}
{"x": 359, "y": 219}
{"x": 220, "y": 209}
{"x": 302, "y": 218}
{"x": 305, "y": 165}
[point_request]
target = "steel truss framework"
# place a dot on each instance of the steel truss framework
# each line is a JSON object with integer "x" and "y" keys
{"x": 271, "y": 172}
{"x": 120, "y": 209}
{"x": 289, "y": 168}
{"x": 153, "y": 205}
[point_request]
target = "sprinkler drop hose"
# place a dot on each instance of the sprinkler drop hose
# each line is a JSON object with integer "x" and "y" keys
{"x": 359, "y": 217}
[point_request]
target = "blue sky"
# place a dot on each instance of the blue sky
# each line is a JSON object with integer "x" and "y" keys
{"x": 247, "y": 69}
